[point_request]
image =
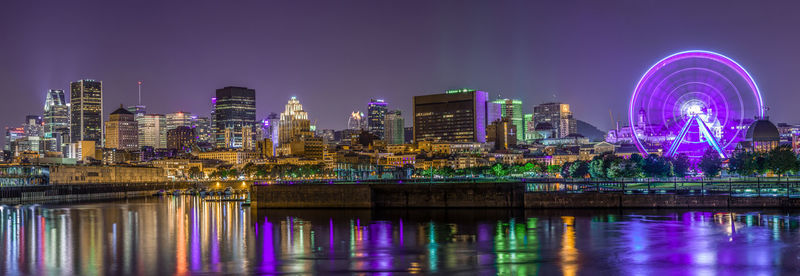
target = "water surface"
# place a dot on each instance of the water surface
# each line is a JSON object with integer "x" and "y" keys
{"x": 187, "y": 235}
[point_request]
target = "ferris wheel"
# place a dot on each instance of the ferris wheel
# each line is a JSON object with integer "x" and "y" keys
{"x": 690, "y": 101}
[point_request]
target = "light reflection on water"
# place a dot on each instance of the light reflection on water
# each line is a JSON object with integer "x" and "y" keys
{"x": 157, "y": 236}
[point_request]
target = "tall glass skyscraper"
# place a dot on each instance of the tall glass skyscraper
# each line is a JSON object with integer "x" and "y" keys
{"x": 235, "y": 117}
{"x": 86, "y": 112}
{"x": 56, "y": 114}
{"x": 376, "y": 115}
{"x": 395, "y": 128}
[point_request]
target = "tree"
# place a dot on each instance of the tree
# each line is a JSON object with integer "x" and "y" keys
{"x": 565, "y": 169}
{"x": 597, "y": 168}
{"x": 498, "y": 170}
{"x": 781, "y": 160}
{"x": 680, "y": 165}
{"x": 656, "y": 166}
{"x": 742, "y": 163}
{"x": 579, "y": 169}
{"x": 194, "y": 172}
{"x": 710, "y": 163}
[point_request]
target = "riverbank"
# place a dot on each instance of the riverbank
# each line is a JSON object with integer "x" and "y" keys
{"x": 490, "y": 195}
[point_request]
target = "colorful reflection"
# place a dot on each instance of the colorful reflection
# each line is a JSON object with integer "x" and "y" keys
{"x": 187, "y": 235}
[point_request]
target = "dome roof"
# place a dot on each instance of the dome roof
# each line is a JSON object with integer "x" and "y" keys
{"x": 762, "y": 130}
{"x": 544, "y": 126}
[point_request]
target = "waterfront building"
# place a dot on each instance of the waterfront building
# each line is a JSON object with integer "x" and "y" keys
{"x": 122, "y": 131}
{"x": 181, "y": 138}
{"x": 230, "y": 156}
{"x": 512, "y": 109}
{"x": 82, "y": 150}
{"x": 234, "y": 116}
{"x": 178, "y": 119}
{"x": 456, "y": 116}
{"x": 86, "y": 111}
{"x": 152, "y": 131}
{"x": 376, "y": 115}
{"x": 294, "y": 123}
{"x": 761, "y": 136}
{"x": 557, "y": 115}
{"x": 395, "y": 128}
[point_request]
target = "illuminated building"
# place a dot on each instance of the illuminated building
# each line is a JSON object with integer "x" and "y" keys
{"x": 376, "y": 114}
{"x": 294, "y": 123}
{"x": 86, "y": 111}
{"x": 12, "y": 135}
{"x": 270, "y": 128}
{"x": 558, "y": 115}
{"x": 512, "y": 109}
{"x": 152, "y": 131}
{"x": 122, "y": 131}
{"x": 181, "y": 138}
{"x": 203, "y": 130}
{"x": 395, "y": 128}
{"x": 761, "y": 136}
{"x": 527, "y": 123}
{"x": 177, "y": 119}
{"x": 234, "y": 116}
{"x": 56, "y": 119}
{"x": 455, "y": 116}
{"x": 502, "y": 133}
{"x": 356, "y": 121}
{"x": 230, "y": 156}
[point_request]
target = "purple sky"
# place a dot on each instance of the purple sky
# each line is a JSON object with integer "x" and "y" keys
{"x": 335, "y": 55}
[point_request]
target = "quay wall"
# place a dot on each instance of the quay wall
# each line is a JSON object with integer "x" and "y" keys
{"x": 485, "y": 195}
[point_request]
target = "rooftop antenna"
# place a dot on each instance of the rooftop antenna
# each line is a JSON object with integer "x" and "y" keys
{"x": 140, "y": 93}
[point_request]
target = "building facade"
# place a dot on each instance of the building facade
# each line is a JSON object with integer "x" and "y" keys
{"x": 122, "y": 131}
{"x": 558, "y": 115}
{"x": 234, "y": 116}
{"x": 376, "y": 116}
{"x": 455, "y": 116}
{"x": 152, "y": 131}
{"x": 294, "y": 122}
{"x": 181, "y": 138}
{"x": 86, "y": 111}
{"x": 395, "y": 128}
{"x": 512, "y": 110}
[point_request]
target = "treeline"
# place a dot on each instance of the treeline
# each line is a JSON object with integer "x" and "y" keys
{"x": 261, "y": 171}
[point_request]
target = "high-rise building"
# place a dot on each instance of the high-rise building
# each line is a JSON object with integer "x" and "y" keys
{"x": 180, "y": 118}
{"x": 56, "y": 114}
{"x": 502, "y": 133}
{"x": 203, "y": 130}
{"x": 376, "y": 115}
{"x": 181, "y": 138}
{"x": 137, "y": 110}
{"x": 558, "y": 115}
{"x": 153, "y": 131}
{"x": 529, "y": 126}
{"x": 122, "y": 131}
{"x": 34, "y": 126}
{"x": 395, "y": 128}
{"x": 270, "y": 129}
{"x": 294, "y": 123}
{"x": 234, "y": 116}
{"x": 12, "y": 135}
{"x": 512, "y": 109}
{"x": 455, "y": 116}
{"x": 356, "y": 121}
{"x": 86, "y": 111}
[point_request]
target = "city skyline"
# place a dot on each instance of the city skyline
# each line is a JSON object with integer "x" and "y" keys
{"x": 422, "y": 47}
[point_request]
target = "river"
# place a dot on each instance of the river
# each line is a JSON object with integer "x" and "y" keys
{"x": 188, "y": 235}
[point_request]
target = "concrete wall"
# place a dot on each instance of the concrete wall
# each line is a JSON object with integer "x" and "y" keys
{"x": 312, "y": 196}
{"x": 616, "y": 200}
{"x": 450, "y": 195}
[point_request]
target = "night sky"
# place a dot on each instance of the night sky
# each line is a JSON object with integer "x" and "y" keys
{"x": 335, "y": 55}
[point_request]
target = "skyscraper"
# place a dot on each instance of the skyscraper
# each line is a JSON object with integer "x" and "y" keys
{"x": 558, "y": 115}
{"x": 203, "y": 130}
{"x": 294, "y": 122}
{"x": 56, "y": 114}
{"x": 234, "y": 117}
{"x": 271, "y": 130}
{"x": 181, "y": 138}
{"x": 86, "y": 111}
{"x": 512, "y": 109}
{"x": 152, "y": 131}
{"x": 122, "y": 131}
{"x": 376, "y": 114}
{"x": 180, "y": 118}
{"x": 395, "y": 128}
{"x": 456, "y": 116}
{"x": 356, "y": 121}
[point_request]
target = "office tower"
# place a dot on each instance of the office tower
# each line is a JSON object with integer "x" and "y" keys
{"x": 86, "y": 111}
{"x": 137, "y": 110}
{"x": 376, "y": 114}
{"x": 153, "y": 131}
{"x": 494, "y": 112}
{"x": 56, "y": 114}
{"x": 12, "y": 135}
{"x": 203, "y": 130}
{"x": 176, "y": 119}
{"x": 356, "y": 121}
{"x": 122, "y": 131}
{"x": 408, "y": 132}
{"x": 294, "y": 122}
{"x": 33, "y": 126}
{"x": 558, "y": 115}
{"x": 181, "y": 138}
{"x": 270, "y": 127}
{"x": 502, "y": 133}
{"x": 455, "y": 116}
{"x": 234, "y": 116}
{"x": 527, "y": 123}
{"x": 395, "y": 128}
{"x": 512, "y": 109}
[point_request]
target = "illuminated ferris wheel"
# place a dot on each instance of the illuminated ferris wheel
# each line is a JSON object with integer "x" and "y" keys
{"x": 690, "y": 101}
